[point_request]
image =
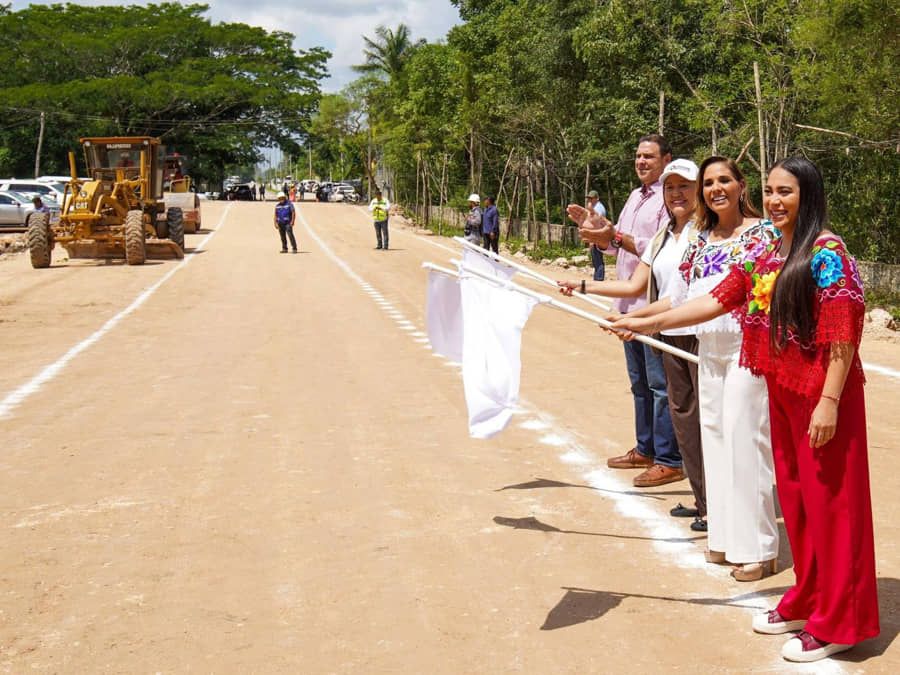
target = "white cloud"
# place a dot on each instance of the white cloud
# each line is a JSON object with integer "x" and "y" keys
{"x": 336, "y": 25}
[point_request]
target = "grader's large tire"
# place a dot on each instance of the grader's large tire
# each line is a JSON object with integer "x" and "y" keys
{"x": 40, "y": 239}
{"x": 175, "y": 221}
{"x": 135, "y": 244}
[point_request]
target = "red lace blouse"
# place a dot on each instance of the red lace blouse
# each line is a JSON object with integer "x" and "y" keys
{"x": 839, "y": 312}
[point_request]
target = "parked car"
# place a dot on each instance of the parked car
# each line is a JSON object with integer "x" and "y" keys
{"x": 35, "y": 188}
{"x": 344, "y": 193}
{"x": 16, "y": 207}
{"x": 58, "y": 179}
{"x": 240, "y": 192}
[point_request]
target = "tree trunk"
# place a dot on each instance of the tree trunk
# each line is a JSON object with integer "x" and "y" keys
{"x": 546, "y": 190}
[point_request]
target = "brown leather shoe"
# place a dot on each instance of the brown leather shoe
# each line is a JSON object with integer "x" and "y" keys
{"x": 630, "y": 460}
{"x": 658, "y": 475}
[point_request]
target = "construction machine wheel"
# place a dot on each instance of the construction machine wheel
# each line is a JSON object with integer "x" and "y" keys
{"x": 135, "y": 244}
{"x": 40, "y": 239}
{"x": 175, "y": 223}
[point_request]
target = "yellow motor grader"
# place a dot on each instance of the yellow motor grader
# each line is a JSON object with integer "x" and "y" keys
{"x": 118, "y": 212}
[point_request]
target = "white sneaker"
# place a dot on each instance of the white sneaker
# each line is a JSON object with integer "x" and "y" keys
{"x": 805, "y": 648}
{"x": 772, "y": 623}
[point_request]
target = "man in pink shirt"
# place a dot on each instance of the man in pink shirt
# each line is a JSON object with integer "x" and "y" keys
{"x": 644, "y": 213}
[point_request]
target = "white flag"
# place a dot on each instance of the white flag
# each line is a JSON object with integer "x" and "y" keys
{"x": 443, "y": 315}
{"x": 493, "y": 319}
{"x": 483, "y": 263}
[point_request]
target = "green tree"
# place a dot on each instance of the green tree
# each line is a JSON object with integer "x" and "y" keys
{"x": 216, "y": 92}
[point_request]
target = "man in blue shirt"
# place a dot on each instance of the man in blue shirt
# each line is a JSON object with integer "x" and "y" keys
{"x": 284, "y": 222}
{"x": 490, "y": 225}
{"x": 593, "y": 203}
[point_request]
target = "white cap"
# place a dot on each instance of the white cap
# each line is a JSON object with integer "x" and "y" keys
{"x": 474, "y": 198}
{"x": 683, "y": 167}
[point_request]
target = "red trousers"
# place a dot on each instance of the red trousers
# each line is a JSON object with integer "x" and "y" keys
{"x": 827, "y": 509}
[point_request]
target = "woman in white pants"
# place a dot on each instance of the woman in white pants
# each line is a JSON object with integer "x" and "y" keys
{"x": 734, "y": 408}
{"x": 734, "y": 412}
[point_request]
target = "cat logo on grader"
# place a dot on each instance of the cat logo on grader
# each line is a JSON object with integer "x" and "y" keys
{"x": 117, "y": 212}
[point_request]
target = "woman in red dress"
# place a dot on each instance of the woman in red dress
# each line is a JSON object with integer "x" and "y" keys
{"x": 801, "y": 307}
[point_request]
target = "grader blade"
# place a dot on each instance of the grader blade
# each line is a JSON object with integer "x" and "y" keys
{"x": 157, "y": 249}
{"x": 163, "y": 249}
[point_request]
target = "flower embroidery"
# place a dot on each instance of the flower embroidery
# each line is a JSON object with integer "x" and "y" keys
{"x": 761, "y": 293}
{"x": 827, "y": 267}
{"x": 714, "y": 262}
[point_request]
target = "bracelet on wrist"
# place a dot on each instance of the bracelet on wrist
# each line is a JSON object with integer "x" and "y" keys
{"x": 583, "y": 287}
{"x": 836, "y": 399}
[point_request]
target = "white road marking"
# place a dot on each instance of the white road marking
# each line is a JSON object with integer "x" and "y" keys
{"x": 16, "y": 397}
{"x": 882, "y": 370}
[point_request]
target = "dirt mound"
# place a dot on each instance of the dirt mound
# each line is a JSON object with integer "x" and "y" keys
{"x": 11, "y": 244}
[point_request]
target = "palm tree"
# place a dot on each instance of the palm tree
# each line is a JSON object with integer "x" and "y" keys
{"x": 388, "y": 53}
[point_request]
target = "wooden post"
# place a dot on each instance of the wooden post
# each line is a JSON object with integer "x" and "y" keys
{"x": 37, "y": 154}
{"x": 762, "y": 137}
{"x": 443, "y": 195}
{"x": 662, "y": 111}
{"x": 587, "y": 180}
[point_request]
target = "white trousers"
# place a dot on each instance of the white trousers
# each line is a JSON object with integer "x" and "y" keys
{"x": 737, "y": 453}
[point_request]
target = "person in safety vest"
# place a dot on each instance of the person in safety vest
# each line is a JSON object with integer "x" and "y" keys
{"x": 284, "y": 222}
{"x": 379, "y": 207}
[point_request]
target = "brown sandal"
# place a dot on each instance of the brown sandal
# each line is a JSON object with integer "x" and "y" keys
{"x": 754, "y": 571}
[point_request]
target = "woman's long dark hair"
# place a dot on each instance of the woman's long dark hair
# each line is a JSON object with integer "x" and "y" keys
{"x": 795, "y": 289}
{"x": 707, "y": 219}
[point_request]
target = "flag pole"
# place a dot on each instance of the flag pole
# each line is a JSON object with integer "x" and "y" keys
{"x": 531, "y": 273}
{"x": 546, "y": 299}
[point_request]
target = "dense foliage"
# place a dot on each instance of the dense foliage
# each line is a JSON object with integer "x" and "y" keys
{"x": 540, "y": 100}
{"x": 215, "y": 92}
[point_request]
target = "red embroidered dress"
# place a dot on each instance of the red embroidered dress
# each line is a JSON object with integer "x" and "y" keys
{"x": 838, "y": 312}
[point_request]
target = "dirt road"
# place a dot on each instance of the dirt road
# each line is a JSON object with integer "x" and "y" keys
{"x": 251, "y": 462}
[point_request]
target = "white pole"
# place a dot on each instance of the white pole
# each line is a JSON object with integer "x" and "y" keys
{"x": 534, "y": 275}
{"x": 546, "y": 299}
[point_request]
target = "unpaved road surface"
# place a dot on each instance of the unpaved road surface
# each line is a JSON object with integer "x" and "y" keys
{"x": 252, "y": 463}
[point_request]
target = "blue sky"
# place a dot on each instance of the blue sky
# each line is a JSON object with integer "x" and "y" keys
{"x": 337, "y": 25}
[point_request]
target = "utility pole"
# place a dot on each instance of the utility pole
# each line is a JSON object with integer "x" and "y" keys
{"x": 309, "y": 149}
{"x": 37, "y": 155}
{"x": 762, "y": 138}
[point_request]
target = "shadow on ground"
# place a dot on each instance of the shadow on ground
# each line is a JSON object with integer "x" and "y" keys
{"x": 541, "y": 483}
{"x": 579, "y": 605}
{"x": 532, "y": 523}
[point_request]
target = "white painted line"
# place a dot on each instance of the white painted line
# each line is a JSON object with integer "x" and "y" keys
{"x": 16, "y": 397}
{"x": 882, "y": 370}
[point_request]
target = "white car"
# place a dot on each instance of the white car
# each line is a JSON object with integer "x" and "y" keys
{"x": 343, "y": 193}
{"x": 35, "y": 188}
{"x": 16, "y": 207}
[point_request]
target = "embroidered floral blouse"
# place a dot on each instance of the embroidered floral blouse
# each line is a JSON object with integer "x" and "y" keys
{"x": 705, "y": 264}
{"x": 839, "y": 312}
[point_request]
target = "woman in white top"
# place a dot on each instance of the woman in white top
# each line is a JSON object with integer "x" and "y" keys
{"x": 734, "y": 412}
{"x": 658, "y": 276}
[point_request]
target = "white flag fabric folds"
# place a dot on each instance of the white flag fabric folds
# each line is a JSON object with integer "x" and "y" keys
{"x": 443, "y": 316}
{"x": 483, "y": 263}
{"x": 493, "y": 320}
